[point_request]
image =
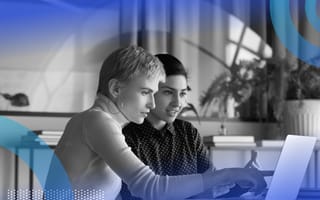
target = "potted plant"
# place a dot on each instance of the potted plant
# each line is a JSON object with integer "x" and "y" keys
{"x": 299, "y": 111}
{"x": 190, "y": 107}
{"x": 233, "y": 91}
{"x": 274, "y": 89}
{"x": 279, "y": 72}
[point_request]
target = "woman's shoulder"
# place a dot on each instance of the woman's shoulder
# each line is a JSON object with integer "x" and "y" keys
{"x": 98, "y": 118}
{"x": 186, "y": 127}
{"x": 94, "y": 113}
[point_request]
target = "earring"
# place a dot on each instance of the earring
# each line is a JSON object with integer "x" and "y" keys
{"x": 121, "y": 105}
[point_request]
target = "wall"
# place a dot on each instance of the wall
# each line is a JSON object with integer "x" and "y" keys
{"x": 53, "y": 53}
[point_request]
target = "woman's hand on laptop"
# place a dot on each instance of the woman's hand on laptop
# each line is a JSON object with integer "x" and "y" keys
{"x": 221, "y": 190}
{"x": 250, "y": 178}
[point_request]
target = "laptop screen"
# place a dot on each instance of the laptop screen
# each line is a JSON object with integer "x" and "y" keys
{"x": 291, "y": 167}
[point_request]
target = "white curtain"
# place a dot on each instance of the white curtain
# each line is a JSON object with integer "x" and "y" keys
{"x": 195, "y": 31}
{"x": 63, "y": 50}
{"x": 62, "y": 53}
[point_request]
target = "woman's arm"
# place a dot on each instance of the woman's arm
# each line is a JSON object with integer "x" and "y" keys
{"x": 250, "y": 178}
{"x": 104, "y": 137}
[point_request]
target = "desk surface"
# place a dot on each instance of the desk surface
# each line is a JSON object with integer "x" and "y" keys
{"x": 254, "y": 199}
{"x": 246, "y": 148}
{"x": 304, "y": 194}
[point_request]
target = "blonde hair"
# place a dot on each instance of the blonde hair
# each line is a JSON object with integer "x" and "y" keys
{"x": 126, "y": 63}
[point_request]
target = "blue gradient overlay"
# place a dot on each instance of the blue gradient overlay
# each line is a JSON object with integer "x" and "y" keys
{"x": 10, "y": 139}
{"x": 285, "y": 29}
{"x": 35, "y": 23}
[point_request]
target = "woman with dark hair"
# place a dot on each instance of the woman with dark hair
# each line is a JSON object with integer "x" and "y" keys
{"x": 172, "y": 146}
{"x": 93, "y": 150}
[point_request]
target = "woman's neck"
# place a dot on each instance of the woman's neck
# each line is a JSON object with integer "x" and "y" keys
{"x": 155, "y": 122}
{"x": 107, "y": 105}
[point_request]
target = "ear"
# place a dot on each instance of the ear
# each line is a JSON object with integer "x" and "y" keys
{"x": 114, "y": 87}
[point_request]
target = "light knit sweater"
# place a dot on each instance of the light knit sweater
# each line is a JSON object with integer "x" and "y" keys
{"x": 96, "y": 158}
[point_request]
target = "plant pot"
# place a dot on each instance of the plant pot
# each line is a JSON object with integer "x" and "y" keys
{"x": 230, "y": 107}
{"x": 302, "y": 117}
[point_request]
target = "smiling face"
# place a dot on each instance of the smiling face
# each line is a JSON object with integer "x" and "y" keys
{"x": 169, "y": 100}
{"x": 136, "y": 98}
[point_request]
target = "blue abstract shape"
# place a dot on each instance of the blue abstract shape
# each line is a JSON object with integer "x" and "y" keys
{"x": 11, "y": 133}
{"x": 311, "y": 12}
{"x": 285, "y": 30}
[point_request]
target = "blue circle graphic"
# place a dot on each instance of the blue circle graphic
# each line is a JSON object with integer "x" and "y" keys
{"x": 311, "y": 12}
{"x": 11, "y": 133}
{"x": 288, "y": 34}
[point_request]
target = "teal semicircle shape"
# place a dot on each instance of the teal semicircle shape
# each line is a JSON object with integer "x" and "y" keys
{"x": 10, "y": 139}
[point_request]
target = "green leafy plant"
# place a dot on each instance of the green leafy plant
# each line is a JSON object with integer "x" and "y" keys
{"x": 261, "y": 87}
{"x": 190, "y": 108}
{"x": 240, "y": 82}
{"x": 304, "y": 83}
{"x": 293, "y": 81}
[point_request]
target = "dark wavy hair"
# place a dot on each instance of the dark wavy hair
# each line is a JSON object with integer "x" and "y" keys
{"x": 172, "y": 65}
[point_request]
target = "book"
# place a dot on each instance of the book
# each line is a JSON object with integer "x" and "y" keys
{"x": 42, "y": 137}
{"x": 48, "y": 132}
{"x": 48, "y": 139}
{"x": 45, "y": 137}
{"x": 234, "y": 144}
{"x": 229, "y": 138}
{"x": 49, "y": 143}
{"x": 270, "y": 143}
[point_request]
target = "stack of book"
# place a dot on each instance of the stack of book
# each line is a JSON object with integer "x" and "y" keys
{"x": 270, "y": 143}
{"x": 230, "y": 140}
{"x": 50, "y": 138}
{"x": 29, "y": 139}
{"x": 42, "y": 137}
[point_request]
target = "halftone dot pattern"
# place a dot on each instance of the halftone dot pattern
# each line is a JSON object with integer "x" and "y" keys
{"x": 11, "y": 133}
{"x": 88, "y": 194}
{"x": 174, "y": 150}
{"x": 26, "y": 194}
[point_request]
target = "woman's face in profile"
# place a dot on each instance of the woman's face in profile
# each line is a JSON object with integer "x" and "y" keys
{"x": 170, "y": 99}
{"x": 137, "y": 98}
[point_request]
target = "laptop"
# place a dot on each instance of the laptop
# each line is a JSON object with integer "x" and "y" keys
{"x": 291, "y": 167}
{"x": 290, "y": 170}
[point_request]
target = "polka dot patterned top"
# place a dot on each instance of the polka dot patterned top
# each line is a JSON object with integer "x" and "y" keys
{"x": 176, "y": 149}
